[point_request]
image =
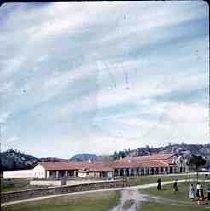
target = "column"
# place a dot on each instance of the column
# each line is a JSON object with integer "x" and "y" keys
{"x": 66, "y": 173}
{"x": 124, "y": 172}
{"x": 57, "y": 174}
{"x": 134, "y": 172}
{"x": 173, "y": 170}
{"x": 159, "y": 170}
{"x": 168, "y": 170}
{"x": 48, "y": 174}
{"x": 129, "y": 174}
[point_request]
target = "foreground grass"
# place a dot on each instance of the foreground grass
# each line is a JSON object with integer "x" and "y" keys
{"x": 100, "y": 201}
{"x": 181, "y": 200}
{"x": 153, "y": 206}
{"x": 167, "y": 191}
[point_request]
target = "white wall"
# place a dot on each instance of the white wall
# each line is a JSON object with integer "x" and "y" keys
{"x": 82, "y": 174}
{"x": 18, "y": 174}
{"x": 39, "y": 171}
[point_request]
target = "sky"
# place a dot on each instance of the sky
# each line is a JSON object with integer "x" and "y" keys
{"x": 95, "y": 77}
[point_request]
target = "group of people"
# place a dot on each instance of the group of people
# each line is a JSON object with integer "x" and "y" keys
{"x": 175, "y": 185}
{"x": 196, "y": 192}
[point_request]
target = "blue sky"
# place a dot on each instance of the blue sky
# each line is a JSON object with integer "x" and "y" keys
{"x": 103, "y": 76}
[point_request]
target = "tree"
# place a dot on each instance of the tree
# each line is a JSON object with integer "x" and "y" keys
{"x": 122, "y": 154}
{"x": 115, "y": 156}
{"x": 196, "y": 162}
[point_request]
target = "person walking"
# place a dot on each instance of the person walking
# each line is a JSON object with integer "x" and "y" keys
{"x": 159, "y": 184}
{"x": 198, "y": 187}
{"x": 201, "y": 193}
{"x": 175, "y": 186}
{"x": 192, "y": 192}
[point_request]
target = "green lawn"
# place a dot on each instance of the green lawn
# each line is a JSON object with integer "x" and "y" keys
{"x": 153, "y": 206}
{"x": 167, "y": 191}
{"x": 100, "y": 201}
{"x": 140, "y": 180}
{"x": 180, "y": 199}
{"x": 14, "y": 184}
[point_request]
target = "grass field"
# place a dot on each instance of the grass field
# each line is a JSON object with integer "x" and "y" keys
{"x": 167, "y": 191}
{"x": 180, "y": 199}
{"x": 14, "y": 184}
{"x": 140, "y": 180}
{"x": 153, "y": 206}
{"x": 100, "y": 201}
{"x": 103, "y": 201}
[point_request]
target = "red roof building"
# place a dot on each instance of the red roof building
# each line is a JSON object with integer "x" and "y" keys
{"x": 154, "y": 164}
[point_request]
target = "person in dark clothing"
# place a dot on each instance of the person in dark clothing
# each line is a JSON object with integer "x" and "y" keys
{"x": 159, "y": 184}
{"x": 201, "y": 193}
{"x": 175, "y": 186}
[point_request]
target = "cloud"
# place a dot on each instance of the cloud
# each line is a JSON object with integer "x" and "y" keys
{"x": 181, "y": 113}
{"x": 11, "y": 142}
{"x": 4, "y": 117}
{"x": 101, "y": 73}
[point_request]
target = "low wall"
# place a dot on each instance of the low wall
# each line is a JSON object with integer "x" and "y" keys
{"x": 46, "y": 182}
{"x": 58, "y": 182}
{"x": 32, "y": 193}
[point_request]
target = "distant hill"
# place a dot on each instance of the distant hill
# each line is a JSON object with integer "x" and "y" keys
{"x": 84, "y": 157}
{"x": 15, "y": 160}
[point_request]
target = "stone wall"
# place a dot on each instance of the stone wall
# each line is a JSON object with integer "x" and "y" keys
{"x": 32, "y": 193}
{"x": 46, "y": 182}
{"x": 58, "y": 182}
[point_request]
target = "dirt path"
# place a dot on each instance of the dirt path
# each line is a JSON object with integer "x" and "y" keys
{"x": 131, "y": 200}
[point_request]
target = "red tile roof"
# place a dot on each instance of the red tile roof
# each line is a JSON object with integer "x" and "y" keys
{"x": 61, "y": 165}
{"x": 65, "y": 166}
{"x": 159, "y": 160}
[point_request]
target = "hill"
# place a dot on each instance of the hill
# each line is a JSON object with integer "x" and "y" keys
{"x": 15, "y": 160}
{"x": 84, "y": 157}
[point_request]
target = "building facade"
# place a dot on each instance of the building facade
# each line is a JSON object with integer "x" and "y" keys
{"x": 129, "y": 166}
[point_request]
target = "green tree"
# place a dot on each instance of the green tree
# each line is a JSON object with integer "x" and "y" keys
{"x": 115, "y": 156}
{"x": 196, "y": 162}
